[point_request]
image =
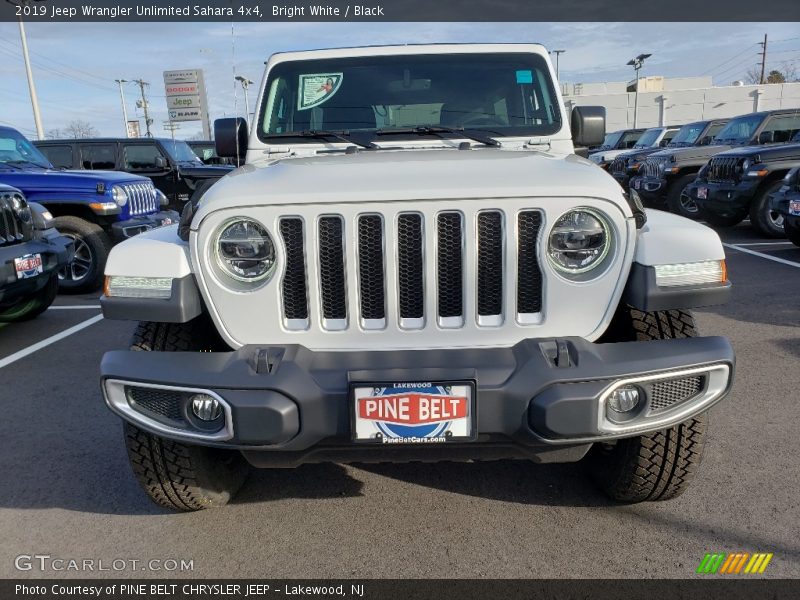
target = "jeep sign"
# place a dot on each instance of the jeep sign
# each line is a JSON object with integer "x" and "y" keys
{"x": 186, "y": 97}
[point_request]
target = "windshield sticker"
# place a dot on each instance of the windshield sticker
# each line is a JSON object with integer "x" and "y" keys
{"x": 317, "y": 88}
{"x": 525, "y": 76}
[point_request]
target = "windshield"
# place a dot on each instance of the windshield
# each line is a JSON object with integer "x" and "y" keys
{"x": 740, "y": 130}
{"x": 688, "y": 134}
{"x": 648, "y": 138}
{"x": 180, "y": 151}
{"x": 611, "y": 139}
{"x": 502, "y": 94}
{"x": 17, "y": 151}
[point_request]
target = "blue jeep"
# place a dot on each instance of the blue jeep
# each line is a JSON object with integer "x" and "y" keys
{"x": 94, "y": 208}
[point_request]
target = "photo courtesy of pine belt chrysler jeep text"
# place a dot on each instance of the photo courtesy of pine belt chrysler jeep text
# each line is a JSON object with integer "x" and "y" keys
{"x": 415, "y": 263}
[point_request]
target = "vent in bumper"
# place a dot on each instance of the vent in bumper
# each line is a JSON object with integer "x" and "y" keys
{"x": 665, "y": 394}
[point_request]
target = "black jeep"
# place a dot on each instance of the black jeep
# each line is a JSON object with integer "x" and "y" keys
{"x": 739, "y": 182}
{"x": 627, "y": 164}
{"x": 786, "y": 202}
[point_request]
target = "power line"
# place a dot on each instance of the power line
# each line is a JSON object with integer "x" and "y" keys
{"x": 748, "y": 49}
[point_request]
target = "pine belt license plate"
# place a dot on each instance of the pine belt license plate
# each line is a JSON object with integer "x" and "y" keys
{"x": 29, "y": 265}
{"x": 421, "y": 412}
{"x": 794, "y": 207}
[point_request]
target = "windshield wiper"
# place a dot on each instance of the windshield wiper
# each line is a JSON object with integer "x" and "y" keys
{"x": 343, "y": 136}
{"x": 438, "y": 130}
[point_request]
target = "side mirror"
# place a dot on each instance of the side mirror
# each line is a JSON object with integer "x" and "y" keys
{"x": 161, "y": 162}
{"x": 230, "y": 137}
{"x": 766, "y": 137}
{"x": 705, "y": 141}
{"x": 588, "y": 125}
{"x": 663, "y": 143}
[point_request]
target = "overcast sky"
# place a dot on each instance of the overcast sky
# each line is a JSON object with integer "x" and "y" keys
{"x": 75, "y": 64}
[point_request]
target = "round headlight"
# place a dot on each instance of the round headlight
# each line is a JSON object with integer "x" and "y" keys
{"x": 579, "y": 241}
{"x": 245, "y": 251}
{"x": 746, "y": 164}
{"x": 119, "y": 196}
{"x": 21, "y": 208}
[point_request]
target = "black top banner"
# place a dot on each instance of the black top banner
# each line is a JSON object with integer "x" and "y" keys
{"x": 401, "y": 10}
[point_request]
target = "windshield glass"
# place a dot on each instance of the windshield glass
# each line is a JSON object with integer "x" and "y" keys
{"x": 688, "y": 134}
{"x": 15, "y": 150}
{"x": 503, "y": 94}
{"x": 739, "y": 130}
{"x": 648, "y": 138}
{"x": 611, "y": 139}
{"x": 180, "y": 151}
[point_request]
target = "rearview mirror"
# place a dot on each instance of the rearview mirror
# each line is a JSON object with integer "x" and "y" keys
{"x": 230, "y": 137}
{"x": 588, "y": 125}
{"x": 766, "y": 137}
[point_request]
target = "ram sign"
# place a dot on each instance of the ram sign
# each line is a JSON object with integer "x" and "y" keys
{"x": 186, "y": 97}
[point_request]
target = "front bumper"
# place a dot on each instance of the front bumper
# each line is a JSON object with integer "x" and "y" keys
{"x": 541, "y": 399}
{"x": 724, "y": 199}
{"x": 122, "y": 230}
{"x": 56, "y": 251}
{"x": 622, "y": 178}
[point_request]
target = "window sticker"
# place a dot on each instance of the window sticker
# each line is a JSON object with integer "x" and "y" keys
{"x": 525, "y": 76}
{"x": 317, "y": 88}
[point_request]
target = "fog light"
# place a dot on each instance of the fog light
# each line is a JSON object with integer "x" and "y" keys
{"x": 205, "y": 407}
{"x": 624, "y": 399}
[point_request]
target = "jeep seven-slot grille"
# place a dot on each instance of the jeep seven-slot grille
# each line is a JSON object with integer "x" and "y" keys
{"x": 618, "y": 166}
{"x": 12, "y": 229}
{"x": 142, "y": 198}
{"x": 723, "y": 168}
{"x": 651, "y": 167}
{"x": 382, "y": 265}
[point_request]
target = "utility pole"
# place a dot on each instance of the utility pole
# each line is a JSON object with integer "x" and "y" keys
{"x": 558, "y": 53}
{"x": 245, "y": 86}
{"x": 143, "y": 105}
{"x": 637, "y": 64}
{"x": 37, "y": 117}
{"x": 124, "y": 109}
{"x": 763, "y": 57}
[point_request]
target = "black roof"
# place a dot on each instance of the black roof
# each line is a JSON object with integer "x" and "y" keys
{"x": 107, "y": 140}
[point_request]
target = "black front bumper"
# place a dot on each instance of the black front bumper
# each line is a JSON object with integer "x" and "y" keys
{"x": 542, "y": 399}
{"x": 122, "y": 230}
{"x": 727, "y": 199}
{"x": 56, "y": 251}
{"x": 652, "y": 190}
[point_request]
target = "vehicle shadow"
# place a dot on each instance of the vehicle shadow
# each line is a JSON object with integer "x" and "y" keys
{"x": 309, "y": 482}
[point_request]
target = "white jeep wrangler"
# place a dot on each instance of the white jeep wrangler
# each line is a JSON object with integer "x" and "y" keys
{"x": 415, "y": 264}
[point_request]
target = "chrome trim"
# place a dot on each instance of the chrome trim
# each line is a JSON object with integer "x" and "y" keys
{"x": 117, "y": 401}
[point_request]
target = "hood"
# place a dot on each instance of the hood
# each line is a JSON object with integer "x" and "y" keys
{"x": 389, "y": 175}
{"x": 65, "y": 181}
{"x": 606, "y": 155}
{"x": 640, "y": 153}
{"x": 767, "y": 152}
{"x": 690, "y": 153}
{"x": 204, "y": 171}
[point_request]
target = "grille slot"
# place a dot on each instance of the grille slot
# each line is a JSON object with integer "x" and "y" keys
{"x": 164, "y": 403}
{"x": 410, "y": 266}
{"x": 529, "y": 275}
{"x": 449, "y": 266}
{"x": 370, "y": 268}
{"x": 490, "y": 263}
{"x": 665, "y": 394}
{"x": 295, "y": 298}
{"x": 331, "y": 269}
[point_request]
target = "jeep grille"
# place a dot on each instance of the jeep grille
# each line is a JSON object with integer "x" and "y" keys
{"x": 12, "y": 229}
{"x": 142, "y": 198}
{"x": 618, "y": 166}
{"x": 651, "y": 167}
{"x": 723, "y": 168}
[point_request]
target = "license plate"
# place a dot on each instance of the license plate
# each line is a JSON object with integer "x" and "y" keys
{"x": 637, "y": 184}
{"x": 702, "y": 193}
{"x": 413, "y": 412}
{"x": 794, "y": 207}
{"x": 29, "y": 265}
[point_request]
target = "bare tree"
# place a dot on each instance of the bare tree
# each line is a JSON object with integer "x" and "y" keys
{"x": 80, "y": 129}
{"x": 786, "y": 72}
{"x": 54, "y": 134}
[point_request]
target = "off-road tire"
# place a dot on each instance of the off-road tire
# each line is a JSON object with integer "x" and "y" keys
{"x": 32, "y": 307}
{"x": 99, "y": 245}
{"x": 760, "y": 212}
{"x": 655, "y": 466}
{"x": 792, "y": 232}
{"x": 674, "y": 196}
{"x": 173, "y": 474}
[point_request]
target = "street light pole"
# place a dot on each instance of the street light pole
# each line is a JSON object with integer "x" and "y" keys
{"x": 558, "y": 53}
{"x": 245, "y": 85}
{"x": 124, "y": 109}
{"x": 37, "y": 117}
{"x": 637, "y": 63}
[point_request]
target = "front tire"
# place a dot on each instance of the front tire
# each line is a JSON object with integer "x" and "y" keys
{"x": 679, "y": 201}
{"x": 792, "y": 232}
{"x": 654, "y": 466}
{"x": 173, "y": 474}
{"x": 32, "y": 307}
{"x": 766, "y": 221}
{"x": 92, "y": 245}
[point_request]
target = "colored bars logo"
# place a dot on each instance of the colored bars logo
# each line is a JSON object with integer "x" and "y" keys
{"x": 735, "y": 563}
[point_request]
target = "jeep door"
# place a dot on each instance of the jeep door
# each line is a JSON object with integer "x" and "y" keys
{"x": 147, "y": 158}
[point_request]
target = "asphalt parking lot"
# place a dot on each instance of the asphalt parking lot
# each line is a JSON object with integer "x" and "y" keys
{"x": 67, "y": 490}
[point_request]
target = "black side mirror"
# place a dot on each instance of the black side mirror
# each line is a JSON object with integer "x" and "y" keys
{"x": 230, "y": 137}
{"x": 588, "y": 125}
{"x": 766, "y": 137}
{"x": 663, "y": 143}
{"x": 705, "y": 141}
{"x": 161, "y": 162}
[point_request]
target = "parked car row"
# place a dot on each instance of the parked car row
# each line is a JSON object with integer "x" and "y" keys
{"x": 721, "y": 171}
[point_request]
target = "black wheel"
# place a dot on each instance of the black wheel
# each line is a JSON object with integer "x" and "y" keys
{"x": 92, "y": 245}
{"x": 32, "y": 307}
{"x": 766, "y": 221}
{"x": 678, "y": 199}
{"x": 174, "y": 474}
{"x": 716, "y": 220}
{"x": 792, "y": 232}
{"x": 655, "y": 466}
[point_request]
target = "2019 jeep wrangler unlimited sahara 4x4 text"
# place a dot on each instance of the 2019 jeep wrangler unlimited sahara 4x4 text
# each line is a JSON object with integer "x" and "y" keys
{"x": 411, "y": 266}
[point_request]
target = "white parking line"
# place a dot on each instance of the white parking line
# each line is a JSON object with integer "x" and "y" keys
{"x": 76, "y": 307}
{"x": 764, "y": 244}
{"x": 4, "y": 362}
{"x": 776, "y": 259}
